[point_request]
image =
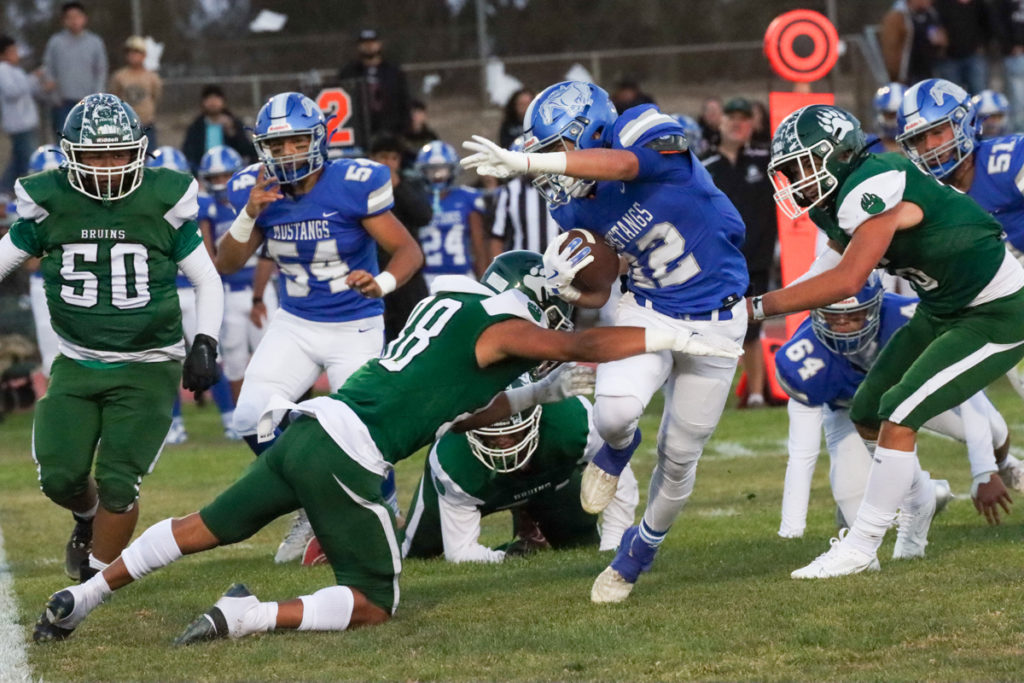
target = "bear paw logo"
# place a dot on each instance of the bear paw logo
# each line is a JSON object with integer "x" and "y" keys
{"x": 835, "y": 123}
{"x": 871, "y": 203}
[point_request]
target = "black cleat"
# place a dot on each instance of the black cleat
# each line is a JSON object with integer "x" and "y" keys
{"x": 86, "y": 571}
{"x": 77, "y": 550}
{"x": 59, "y": 607}
{"x": 212, "y": 624}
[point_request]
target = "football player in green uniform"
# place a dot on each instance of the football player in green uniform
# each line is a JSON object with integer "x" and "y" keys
{"x": 882, "y": 210}
{"x": 530, "y": 463}
{"x": 112, "y": 235}
{"x": 460, "y": 348}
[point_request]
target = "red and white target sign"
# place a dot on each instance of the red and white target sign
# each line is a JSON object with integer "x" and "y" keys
{"x": 802, "y": 45}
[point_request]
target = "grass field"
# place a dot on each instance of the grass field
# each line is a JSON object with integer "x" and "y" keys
{"x": 718, "y": 605}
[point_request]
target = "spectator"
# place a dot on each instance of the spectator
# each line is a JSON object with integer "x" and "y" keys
{"x": 19, "y": 115}
{"x": 741, "y": 172}
{"x": 968, "y": 32}
{"x": 75, "y": 61}
{"x": 138, "y": 86}
{"x": 386, "y": 89}
{"x": 512, "y": 121}
{"x": 912, "y": 39}
{"x": 418, "y": 132}
{"x": 762, "y": 126}
{"x": 215, "y": 125}
{"x": 413, "y": 210}
{"x": 627, "y": 94}
{"x": 710, "y": 119}
{"x": 1010, "y": 23}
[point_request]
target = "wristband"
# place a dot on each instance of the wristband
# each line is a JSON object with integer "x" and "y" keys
{"x": 757, "y": 308}
{"x": 257, "y": 300}
{"x": 658, "y": 339}
{"x": 548, "y": 162}
{"x": 387, "y": 283}
{"x": 241, "y": 228}
{"x": 521, "y": 398}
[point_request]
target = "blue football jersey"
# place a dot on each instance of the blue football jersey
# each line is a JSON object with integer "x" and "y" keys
{"x": 317, "y": 239}
{"x": 998, "y": 184}
{"x": 680, "y": 233}
{"x": 221, "y": 215}
{"x": 813, "y": 374}
{"x": 446, "y": 240}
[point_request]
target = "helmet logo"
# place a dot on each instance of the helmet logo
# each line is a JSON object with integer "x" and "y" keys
{"x": 871, "y": 203}
{"x": 535, "y": 282}
{"x": 572, "y": 98}
{"x": 835, "y": 123}
{"x": 941, "y": 88}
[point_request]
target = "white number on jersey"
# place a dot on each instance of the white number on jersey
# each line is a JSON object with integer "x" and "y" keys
{"x": 453, "y": 244}
{"x": 921, "y": 279}
{"x": 666, "y": 261}
{"x": 359, "y": 173}
{"x": 999, "y": 159}
{"x": 415, "y": 340}
{"x": 799, "y": 351}
{"x": 120, "y": 286}
{"x": 326, "y": 266}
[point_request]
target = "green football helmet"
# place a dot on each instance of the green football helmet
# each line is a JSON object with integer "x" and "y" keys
{"x": 507, "y": 445}
{"x": 102, "y": 123}
{"x": 813, "y": 151}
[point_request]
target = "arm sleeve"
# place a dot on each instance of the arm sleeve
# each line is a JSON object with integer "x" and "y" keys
{"x": 804, "y": 445}
{"x": 460, "y": 530}
{"x": 11, "y": 257}
{"x": 199, "y": 270}
{"x": 969, "y": 422}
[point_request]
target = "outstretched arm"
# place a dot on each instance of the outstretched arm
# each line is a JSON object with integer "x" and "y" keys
{"x": 593, "y": 164}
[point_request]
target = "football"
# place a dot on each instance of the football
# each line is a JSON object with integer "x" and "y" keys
{"x": 600, "y": 274}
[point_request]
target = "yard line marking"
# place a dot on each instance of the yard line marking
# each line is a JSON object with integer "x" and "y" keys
{"x": 13, "y": 659}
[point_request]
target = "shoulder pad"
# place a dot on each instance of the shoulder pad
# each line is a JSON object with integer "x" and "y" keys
{"x": 171, "y": 185}
{"x": 669, "y": 144}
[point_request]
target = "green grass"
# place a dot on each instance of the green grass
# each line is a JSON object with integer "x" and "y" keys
{"x": 718, "y": 605}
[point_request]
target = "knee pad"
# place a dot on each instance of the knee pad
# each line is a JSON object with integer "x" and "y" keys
{"x": 117, "y": 495}
{"x": 61, "y": 488}
{"x": 616, "y": 418}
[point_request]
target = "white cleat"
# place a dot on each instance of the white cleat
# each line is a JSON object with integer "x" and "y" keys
{"x": 913, "y": 525}
{"x": 295, "y": 541}
{"x": 609, "y": 586}
{"x": 1012, "y": 473}
{"x": 841, "y": 559}
{"x": 176, "y": 434}
{"x": 597, "y": 489}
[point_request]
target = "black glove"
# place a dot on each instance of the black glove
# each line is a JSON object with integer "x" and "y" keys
{"x": 200, "y": 371}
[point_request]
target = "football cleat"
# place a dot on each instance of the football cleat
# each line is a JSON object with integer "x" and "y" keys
{"x": 176, "y": 434}
{"x": 58, "y": 621}
{"x": 1011, "y": 471}
{"x": 913, "y": 526}
{"x": 840, "y": 559}
{"x": 223, "y": 619}
{"x": 76, "y": 553}
{"x": 296, "y": 540}
{"x": 597, "y": 488}
{"x": 633, "y": 558}
{"x": 314, "y": 554}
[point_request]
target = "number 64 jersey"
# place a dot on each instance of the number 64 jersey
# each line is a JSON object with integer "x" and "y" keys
{"x": 317, "y": 238}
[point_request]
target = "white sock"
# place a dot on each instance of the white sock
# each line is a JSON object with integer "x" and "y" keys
{"x": 329, "y": 609}
{"x": 920, "y": 492}
{"x": 155, "y": 548}
{"x": 262, "y": 617}
{"x": 98, "y": 565}
{"x": 227, "y": 419}
{"x": 889, "y": 481}
{"x": 88, "y": 514}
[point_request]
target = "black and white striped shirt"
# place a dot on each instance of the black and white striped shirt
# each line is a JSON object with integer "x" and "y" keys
{"x": 521, "y": 217}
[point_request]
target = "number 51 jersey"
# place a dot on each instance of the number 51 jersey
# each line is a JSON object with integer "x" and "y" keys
{"x": 317, "y": 238}
{"x": 109, "y": 268}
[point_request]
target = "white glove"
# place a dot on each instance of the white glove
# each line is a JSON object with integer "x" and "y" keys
{"x": 492, "y": 160}
{"x": 561, "y": 266}
{"x": 564, "y": 381}
{"x": 698, "y": 344}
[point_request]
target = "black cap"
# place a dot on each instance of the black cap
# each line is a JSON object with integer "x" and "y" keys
{"x": 368, "y": 34}
{"x": 738, "y": 105}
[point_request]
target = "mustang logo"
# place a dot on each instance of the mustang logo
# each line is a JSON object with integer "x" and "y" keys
{"x": 572, "y": 98}
{"x": 835, "y": 123}
{"x": 943, "y": 88}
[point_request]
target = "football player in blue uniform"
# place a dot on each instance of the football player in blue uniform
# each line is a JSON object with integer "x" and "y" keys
{"x": 173, "y": 158}
{"x": 993, "y": 113}
{"x": 939, "y": 132}
{"x": 821, "y": 366}
{"x": 321, "y": 221}
{"x": 886, "y": 104}
{"x": 633, "y": 181}
{"x": 453, "y": 242}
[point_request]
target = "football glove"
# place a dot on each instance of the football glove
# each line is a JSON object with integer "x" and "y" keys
{"x": 564, "y": 381}
{"x": 702, "y": 344}
{"x": 200, "y": 371}
{"x": 561, "y": 266}
{"x": 490, "y": 159}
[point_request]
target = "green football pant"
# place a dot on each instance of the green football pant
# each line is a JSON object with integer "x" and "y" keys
{"x": 126, "y": 409}
{"x": 306, "y": 468}
{"x": 934, "y": 363}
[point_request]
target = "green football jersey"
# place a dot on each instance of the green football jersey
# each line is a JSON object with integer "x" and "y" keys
{"x": 428, "y": 376}
{"x": 109, "y": 268}
{"x": 564, "y": 432}
{"x": 948, "y": 258}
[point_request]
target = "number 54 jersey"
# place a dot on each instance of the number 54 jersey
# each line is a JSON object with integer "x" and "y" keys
{"x": 680, "y": 233}
{"x": 814, "y": 375}
{"x": 317, "y": 238}
{"x": 109, "y": 268}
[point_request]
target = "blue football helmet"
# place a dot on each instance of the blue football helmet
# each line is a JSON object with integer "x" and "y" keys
{"x": 865, "y": 308}
{"x": 438, "y": 163}
{"x": 220, "y": 160}
{"x": 927, "y": 106}
{"x": 169, "y": 157}
{"x": 45, "y": 158}
{"x": 694, "y": 133}
{"x": 887, "y": 103}
{"x": 571, "y": 111}
{"x": 993, "y": 108}
{"x": 285, "y": 115}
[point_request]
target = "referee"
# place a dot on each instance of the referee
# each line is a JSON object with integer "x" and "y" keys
{"x": 521, "y": 219}
{"x": 741, "y": 172}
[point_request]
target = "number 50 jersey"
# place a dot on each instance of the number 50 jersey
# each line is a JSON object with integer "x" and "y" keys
{"x": 317, "y": 238}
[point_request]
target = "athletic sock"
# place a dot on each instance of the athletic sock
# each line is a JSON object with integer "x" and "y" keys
{"x": 614, "y": 460}
{"x": 221, "y": 392}
{"x": 889, "y": 482}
